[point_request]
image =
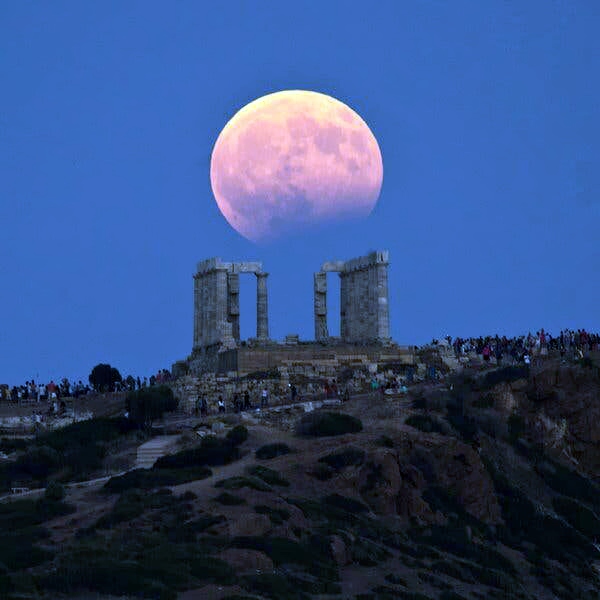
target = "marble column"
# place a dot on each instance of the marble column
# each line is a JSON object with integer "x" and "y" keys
{"x": 262, "y": 307}
{"x": 221, "y": 329}
{"x": 233, "y": 304}
{"x": 198, "y": 333}
{"x": 320, "y": 306}
{"x": 383, "y": 314}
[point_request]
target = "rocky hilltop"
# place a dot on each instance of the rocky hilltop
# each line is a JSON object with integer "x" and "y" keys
{"x": 478, "y": 486}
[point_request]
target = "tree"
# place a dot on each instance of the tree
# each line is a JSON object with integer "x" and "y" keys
{"x": 148, "y": 404}
{"x": 103, "y": 378}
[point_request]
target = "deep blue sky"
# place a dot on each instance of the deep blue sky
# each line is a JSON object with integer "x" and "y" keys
{"x": 487, "y": 118}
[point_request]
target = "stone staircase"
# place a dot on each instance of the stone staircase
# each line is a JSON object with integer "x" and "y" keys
{"x": 152, "y": 450}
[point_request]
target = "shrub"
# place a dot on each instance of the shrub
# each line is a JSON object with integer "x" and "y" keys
{"x": 103, "y": 378}
{"x": 130, "y": 505}
{"x": 465, "y": 426}
{"x": 425, "y": 423}
{"x": 346, "y": 457}
{"x": 106, "y": 575}
{"x": 322, "y": 472}
{"x": 204, "y": 522}
{"x": 154, "y": 478}
{"x": 238, "y": 482}
{"x": 10, "y": 444}
{"x": 281, "y": 550}
{"x": 54, "y": 491}
{"x": 385, "y": 441}
{"x": 505, "y": 375}
{"x": 238, "y": 435}
{"x": 327, "y": 423}
{"x": 38, "y": 462}
{"x": 272, "y": 451}
{"x": 148, "y": 404}
{"x": 267, "y": 475}
{"x": 212, "y": 451}
{"x": 229, "y": 499}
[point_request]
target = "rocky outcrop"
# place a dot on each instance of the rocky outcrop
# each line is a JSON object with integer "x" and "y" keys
{"x": 459, "y": 469}
{"x": 379, "y": 481}
{"x": 393, "y": 484}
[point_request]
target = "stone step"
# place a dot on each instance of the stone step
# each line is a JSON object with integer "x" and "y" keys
{"x": 152, "y": 450}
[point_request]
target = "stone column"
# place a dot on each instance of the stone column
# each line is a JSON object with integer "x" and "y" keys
{"x": 262, "y": 307}
{"x": 233, "y": 304}
{"x": 197, "y": 318}
{"x": 345, "y": 311}
{"x": 222, "y": 328}
{"x": 320, "y": 306}
{"x": 383, "y": 314}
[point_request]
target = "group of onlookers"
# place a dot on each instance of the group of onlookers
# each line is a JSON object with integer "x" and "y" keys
{"x": 31, "y": 391}
{"x": 34, "y": 392}
{"x": 568, "y": 344}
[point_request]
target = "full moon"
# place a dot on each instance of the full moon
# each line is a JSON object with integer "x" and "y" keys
{"x": 292, "y": 161}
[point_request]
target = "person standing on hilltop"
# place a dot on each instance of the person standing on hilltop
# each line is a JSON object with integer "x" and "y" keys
{"x": 543, "y": 344}
{"x": 486, "y": 352}
{"x": 264, "y": 397}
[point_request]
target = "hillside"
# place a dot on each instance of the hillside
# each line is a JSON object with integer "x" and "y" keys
{"x": 477, "y": 487}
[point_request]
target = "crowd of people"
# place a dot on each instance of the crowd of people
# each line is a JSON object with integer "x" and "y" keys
{"x": 569, "y": 344}
{"x": 53, "y": 392}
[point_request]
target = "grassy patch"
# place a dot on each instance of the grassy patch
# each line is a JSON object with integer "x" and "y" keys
{"x": 21, "y": 531}
{"x": 154, "y": 478}
{"x": 213, "y": 451}
{"x": 504, "y": 375}
{"x": 425, "y": 423}
{"x": 327, "y": 423}
{"x": 346, "y": 457}
{"x": 228, "y": 499}
{"x": 238, "y": 482}
{"x": 269, "y": 476}
{"x": 269, "y": 451}
{"x": 238, "y": 435}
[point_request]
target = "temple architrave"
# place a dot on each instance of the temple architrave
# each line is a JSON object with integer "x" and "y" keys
{"x": 364, "y": 319}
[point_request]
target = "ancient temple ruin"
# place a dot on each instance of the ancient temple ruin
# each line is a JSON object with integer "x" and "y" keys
{"x": 217, "y": 303}
{"x": 364, "y": 310}
{"x": 364, "y": 317}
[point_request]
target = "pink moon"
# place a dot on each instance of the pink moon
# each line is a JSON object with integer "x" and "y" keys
{"x": 292, "y": 161}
